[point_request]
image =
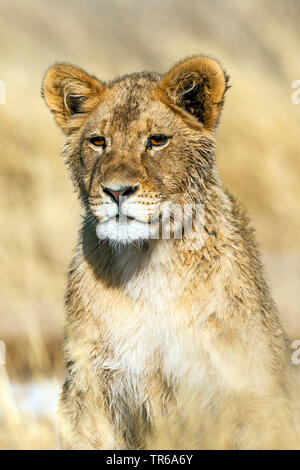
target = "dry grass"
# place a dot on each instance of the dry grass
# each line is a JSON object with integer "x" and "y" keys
{"x": 21, "y": 427}
{"x": 258, "y": 153}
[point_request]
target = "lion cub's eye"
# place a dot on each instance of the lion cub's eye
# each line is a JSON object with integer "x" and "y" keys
{"x": 157, "y": 140}
{"x": 98, "y": 141}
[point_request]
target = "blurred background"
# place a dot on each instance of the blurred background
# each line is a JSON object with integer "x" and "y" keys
{"x": 258, "y": 153}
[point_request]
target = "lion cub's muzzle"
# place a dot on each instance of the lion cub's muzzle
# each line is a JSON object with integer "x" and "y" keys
{"x": 125, "y": 212}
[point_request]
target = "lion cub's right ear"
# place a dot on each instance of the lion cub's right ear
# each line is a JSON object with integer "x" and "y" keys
{"x": 71, "y": 94}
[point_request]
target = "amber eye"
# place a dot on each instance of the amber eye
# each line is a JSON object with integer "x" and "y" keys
{"x": 98, "y": 141}
{"x": 157, "y": 140}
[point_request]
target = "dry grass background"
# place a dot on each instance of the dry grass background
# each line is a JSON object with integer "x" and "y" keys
{"x": 258, "y": 152}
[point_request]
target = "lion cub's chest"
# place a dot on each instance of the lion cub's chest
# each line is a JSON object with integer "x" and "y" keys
{"x": 156, "y": 324}
{"x": 173, "y": 339}
{"x": 144, "y": 342}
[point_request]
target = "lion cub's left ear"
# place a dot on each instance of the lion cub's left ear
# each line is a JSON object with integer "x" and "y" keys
{"x": 71, "y": 94}
{"x": 196, "y": 88}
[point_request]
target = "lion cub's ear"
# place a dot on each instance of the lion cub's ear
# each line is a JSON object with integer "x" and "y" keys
{"x": 71, "y": 93}
{"x": 196, "y": 86}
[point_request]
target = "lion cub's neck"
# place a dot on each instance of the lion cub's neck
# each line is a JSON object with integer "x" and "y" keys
{"x": 156, "y": 271}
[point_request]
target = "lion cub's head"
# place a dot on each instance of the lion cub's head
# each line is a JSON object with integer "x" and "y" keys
{"x": 140, "y": 143}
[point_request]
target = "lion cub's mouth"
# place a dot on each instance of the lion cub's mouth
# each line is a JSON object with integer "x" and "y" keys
{"x": 124, "y": 217}
{"x": 120, "y": 217}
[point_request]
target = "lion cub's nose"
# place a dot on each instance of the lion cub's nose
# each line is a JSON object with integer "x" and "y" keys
{"x": 115, "y": 194}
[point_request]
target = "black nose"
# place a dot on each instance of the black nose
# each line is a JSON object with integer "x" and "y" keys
{"x": 115, "y": 194}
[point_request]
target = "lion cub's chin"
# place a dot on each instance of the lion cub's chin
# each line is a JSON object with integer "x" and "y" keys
{"x": 124, "y": 232}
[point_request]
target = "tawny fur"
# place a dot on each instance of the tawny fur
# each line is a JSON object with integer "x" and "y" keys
{"x": 166, "y": 346}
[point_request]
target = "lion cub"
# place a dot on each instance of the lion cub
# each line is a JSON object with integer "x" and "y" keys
{"x": 172, "y": 337}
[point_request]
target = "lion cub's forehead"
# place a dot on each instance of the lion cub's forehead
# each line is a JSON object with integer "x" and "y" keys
{"x": 130, "y": 101}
